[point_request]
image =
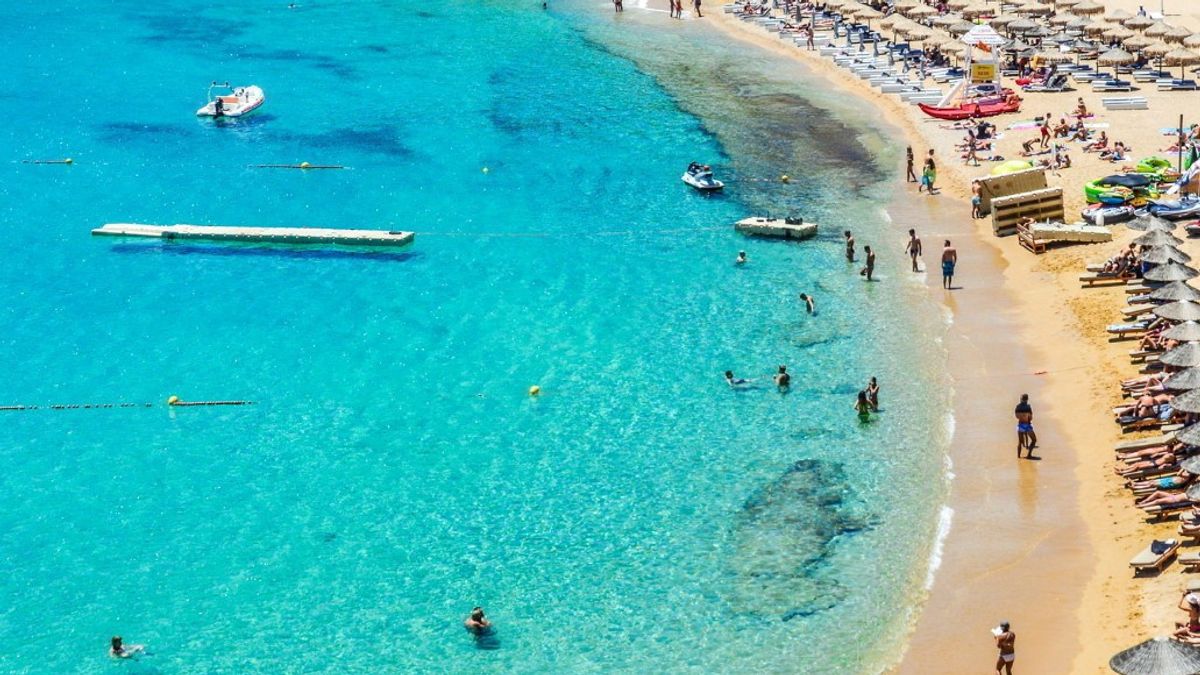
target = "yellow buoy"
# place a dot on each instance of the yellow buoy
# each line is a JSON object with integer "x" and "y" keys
{"x": 68, "y": 161}
{"x": 172, "y": 400}
{"x": 304, "y": 165}
{"x": 535, "y": 390}
{"x": 784, "y": 178}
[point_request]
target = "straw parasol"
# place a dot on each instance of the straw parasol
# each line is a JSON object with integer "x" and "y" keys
{"x": 1119, "y": 15}
{"x": 1139, "y": 22}
{"x": 919, "y": 10}
{"x": 1096, "y": 28}
{"x": 954, "y": 48}
{"x": 1158, "y": 238}
{"x": 1158, "y": 656}
{"x": 1157, "y": 48}
{"x": 1177, "y": 34}
{"x": 1087, "y": 7}
{"x": 1171, "y": 272}
{"x": 917, "y": 33}
{"x": 1192, "y": 41}
{"x": 1137, "y": 42}
{"x": 890, "y": 20}
{"x": 1054, "y": 56}
{"x": 1080, "y": 23}
{"x": 1157, "y": 30}
{"x": 1189, "y": 403}
{"x": 1174, "y": 292}
{"x": 905, "y": 4}
{"x": 1067, "y": 3}
{"x": 1165, "y": 254}
{"x": 1189, "y": 435}
{"x": 961, "y": 28}
{"x": 1062, "y": 19}
{"x": 958, "y": 4}
{"x": 866, "y": 13}
{"x": 1114, "y": 58}
{"x": 943, "y": 20}
{"x": 1150, "y": 222}
{"x": 1181, "y": 57}
{"x": 1186, "y": 355}
{"x": 1188, "y": 331}
{"x": 1001, "y": 21}
{"x": 1119, "y": 33}
{"x": 1185, "y": 380}
{"x": 1190, "y": 464}
{"x": 1021, "y": 26}
{"x": 977, "y": 9}
{"x": 1180, "y": 310}
{"x": 1033, "y": 10}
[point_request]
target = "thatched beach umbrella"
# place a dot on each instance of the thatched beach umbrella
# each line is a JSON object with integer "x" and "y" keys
{"x": 1159, "y": 656}
{"x": 1079, "y": 24}
{"x": 1192, "y": 40}
{"x": 1061, "y": 19}
{"x": 1186, "y": 355}
{"x": 1181, "y": 57}
{"x": 1118, "y": 33}
{"x": 1189, "y": 435}
{"x": 1181, "y": 310}
{"x": 1177, "y": 34}
{"x": 1097, "y": 28}
{"x": 1185, "y": 380}
{"x": 905, "y": 4}
{"x": 1114, "y": 58}
{"x": 1159, "y": 255}
{"x": 977, "y": 9}
{"x": 1193, "y": 492}
{"x": 1157, "y": 238}
{"x": 1171, "y": 272}
{"x": 919, "y": 10}
{"x": 1157, "y": 49}
{"x": 1149, "y": 222}
{"x": 956, "y": 48}
{"x": 1054, "y": 56}
{"x": 1066, "y": 3}
{"x": 1174, "y": 292}
{"x": 1030, "y": 9}
{"x": 958, "y": 4}
{"x": 944, "y": 20}
{"x": 1188, "y": 402}
{"x": 1158, "y": 29}
{"x": 1191, "y": 464}
{"x": 1139, "y": 22}
{"x": 1002, "y": 20}
{"x": 961, "y": 28}
{"x": 890, "y": 20}
{"x": 1119, "y": 15}
{"x": 1188, "y": 331}
{"x": 1020, "y": 26}
{"x": 1137, "y": 42}
{"x": 1087, "y": 7}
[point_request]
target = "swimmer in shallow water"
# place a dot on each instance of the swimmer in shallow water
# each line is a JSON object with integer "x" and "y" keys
{"x": 118, "y": 649}
{"x": 782, "y": 379}
{"x": 477, "y": 623}
{"x": 741, "y": 259}
{"x": 863, "y": 406}
{"x": 735, "y": 382}
{"x": 810, "y": 305}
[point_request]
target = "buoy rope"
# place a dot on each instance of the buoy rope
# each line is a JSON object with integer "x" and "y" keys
{"x": 304, "y": 166}
{"x": 104, "y": 406}
{"x": 188, "y": 404}
{"x": 573, "y": 235}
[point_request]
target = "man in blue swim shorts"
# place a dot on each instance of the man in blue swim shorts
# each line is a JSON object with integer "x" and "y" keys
{"x": 949, "y": 260}
{"x": 1026, "y": 438}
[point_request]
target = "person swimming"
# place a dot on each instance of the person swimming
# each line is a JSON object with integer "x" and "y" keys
{"x": 118, "y": 649}
{"x": 809, "y": 304}
{"x": 735, "y": 382}
{"x": 782, "y": 379}
{"x": 477, "y": 623}
{"x": 741, "y": 258}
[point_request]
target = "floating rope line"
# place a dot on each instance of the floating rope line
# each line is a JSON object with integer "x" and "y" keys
{"x": 575, "y": 235}
{"x": 301, "y": 165}
{"x": 48, "y": 161}
{"x": 172, "y": 402}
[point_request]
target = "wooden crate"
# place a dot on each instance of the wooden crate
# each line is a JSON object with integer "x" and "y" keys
{"x": 991, "y": 187}
{"x": 1045, "y": 204}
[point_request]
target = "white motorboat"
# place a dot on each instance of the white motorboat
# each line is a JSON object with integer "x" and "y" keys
{"x": 700, "y": 177}
{"x": 240, "y": 101}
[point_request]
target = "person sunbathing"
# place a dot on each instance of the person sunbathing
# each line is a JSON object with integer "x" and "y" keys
{"x": 1140, "y": 455}
{"x": 1164, "y": 499}
{"x": 1101, "y": 143}
{"x": 1173, "y": 482}
{"x": 1164, "y": 461}
{"x": 1144, "y": 381}
{"x": 1144, "y": 408}
{"x": 1117, "y": 154}
{"x": 1081, "y": 110}
{"x": 1062, "y": 130}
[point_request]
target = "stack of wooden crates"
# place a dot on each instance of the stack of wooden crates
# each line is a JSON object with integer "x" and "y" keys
{"x": 1022, "y": 194}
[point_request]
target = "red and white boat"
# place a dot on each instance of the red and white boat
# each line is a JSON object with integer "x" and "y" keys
{"x": 240, "y": 101}
{"x": 971, "y": 109}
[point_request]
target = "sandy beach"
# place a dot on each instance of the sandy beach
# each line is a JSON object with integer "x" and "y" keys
{"x": 1019, "y": 548}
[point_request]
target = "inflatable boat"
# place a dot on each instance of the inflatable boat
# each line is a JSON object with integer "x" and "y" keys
{"x": 1108, "y": 214}
{"x": 240, "y": 101}
{"x": 1178, "y": 209}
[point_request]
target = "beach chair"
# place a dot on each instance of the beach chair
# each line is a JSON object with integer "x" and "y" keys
{"x": 1112, "y": 85}
{"x": 1143, "y": 443}
{"x": 1090, "y": 280}
{"x": 1085, "y": 76}
{"x": 1150, "y": 75}
{"x": 1191, "y": 559}
{"x": 1057, "y": 83}
{"x": 1125, "y": 103}
{"x": 1177, "y": 85}
{"x": 1124, "y": 329}
{"x": 1155, "y": 556}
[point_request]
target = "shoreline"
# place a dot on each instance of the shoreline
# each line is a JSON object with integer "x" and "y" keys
{"x": 1013, "y": 550}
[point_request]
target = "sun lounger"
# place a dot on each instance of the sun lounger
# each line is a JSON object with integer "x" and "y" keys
{"x": 1177, "y": 85}
{"x": 1155, "y": 556}
{"x": 1112, "y": 85}
{"x": 1143, "y": 443}
{"x": 1127, "y": 328}
{"x": 1125, "y": 103}
{"x": 1057, "y": 83}
{"x": 1150, "y": 75}
{"x": 1190, "y": 560}
{"x": 1085, "y": 76}
{"x": 1091, "y": 279}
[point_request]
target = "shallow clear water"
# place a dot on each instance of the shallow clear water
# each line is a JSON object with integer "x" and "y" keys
{"x": 638, "y": 515}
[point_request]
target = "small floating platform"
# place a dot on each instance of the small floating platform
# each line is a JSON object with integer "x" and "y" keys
{"x": 778, "y": 228}
{"x": 272, "y": 235}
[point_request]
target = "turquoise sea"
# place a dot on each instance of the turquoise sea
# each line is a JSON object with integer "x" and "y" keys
{"x": 637, "y": 516}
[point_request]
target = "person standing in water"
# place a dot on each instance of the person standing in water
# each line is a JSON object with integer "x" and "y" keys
{"x": 1026, "y": 438}
{"x": 873, "y": 394}
{"x": 949, "y": 260}
{"x": 809, "y": 304}
{"x": 870, "y": 268}
{"x": 910, "y": 176}
{"x": 782, "y": 379}
{"x": 1006, "y": 642}
{"x": 863, "y": 406}
{"x": 913, "y": 249}
{"x": 476, "y": 622}
{"x": 849, "y": 246}
{"x": 741, "y": 258}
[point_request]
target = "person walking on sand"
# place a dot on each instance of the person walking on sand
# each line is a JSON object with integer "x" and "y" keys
{"x": 870, "y": 268}
{"x": 849, "y": 246}
{"x": 809, "y": 39}
{"x": 810, "y": 305}
{"x": 910, "y": 176}
{"x": 1006, "y": 642}
{"x": 1026, "y": 438}
{"x": 976, "y": 200}
{"x": 913, "y": 248}
{"x": 696, "y": 5}
{"x": 678, "y": 9}
{"x": 928, "y": 176}
{"x": 949, "y": 260}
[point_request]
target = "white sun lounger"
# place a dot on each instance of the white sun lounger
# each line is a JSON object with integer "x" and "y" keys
{"x": 1147, "y": 559}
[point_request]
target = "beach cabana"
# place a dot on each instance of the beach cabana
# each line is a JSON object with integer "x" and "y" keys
{"x": 1171, "y": 272}
{"x": 1158, "y": 656}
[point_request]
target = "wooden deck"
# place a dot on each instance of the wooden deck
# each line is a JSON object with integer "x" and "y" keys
{"x": 273, "y": 235}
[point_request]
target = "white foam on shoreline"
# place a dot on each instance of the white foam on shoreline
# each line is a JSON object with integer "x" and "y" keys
{"x": 945, "y": 519}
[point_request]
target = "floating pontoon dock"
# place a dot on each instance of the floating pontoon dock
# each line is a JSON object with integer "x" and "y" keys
{"x": 780, "y": 228}
{"x": 273, "y": 235}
